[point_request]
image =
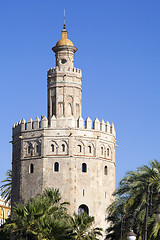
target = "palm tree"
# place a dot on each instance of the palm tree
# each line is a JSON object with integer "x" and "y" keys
{"x": 6, "y": 186}
{"x": 24, "y": 222}
{"x": 42, "y": 217}
{"x": 45, "y": 217}
{"x": 82, "y": 227}
{"x": 130, "y": 203}
{"x": 55, "y": 224}
{"x": 56, "y": 229}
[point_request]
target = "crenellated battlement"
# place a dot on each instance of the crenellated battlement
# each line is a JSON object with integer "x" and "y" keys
{"x": 55, "y": 70}
{"x": 62, "y": 122}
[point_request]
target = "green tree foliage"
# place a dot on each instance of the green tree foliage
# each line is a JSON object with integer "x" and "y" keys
{"x": 82, "y": 227}
{"x": 129, "y": 208}
{"x": 42, "y": 217}
{"x": 6, "y": 186}
{"x": 4, "y": 235}
{"x": 45, "y": 217}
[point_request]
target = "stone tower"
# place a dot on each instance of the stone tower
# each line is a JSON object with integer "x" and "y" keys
{"x": 63, "y": 151}
{"x": 64, "y": 82}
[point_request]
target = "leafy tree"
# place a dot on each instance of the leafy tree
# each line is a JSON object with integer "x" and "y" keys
{"x": 130, "y": 203}
{"x": 6, "y": 186}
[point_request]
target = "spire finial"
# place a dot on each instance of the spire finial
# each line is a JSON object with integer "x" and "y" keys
{"x": 64, "y": 25}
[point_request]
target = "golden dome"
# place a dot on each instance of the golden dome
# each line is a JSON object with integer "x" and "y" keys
{"x": 64, "y": 40}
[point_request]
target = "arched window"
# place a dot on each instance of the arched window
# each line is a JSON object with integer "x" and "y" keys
{"x": 77, "y": 109}
{"x": 84, "y": 167}
{"x": 31, "y": 168}
{"x": 8, "y": 213}
{"x": 83, "y": 192}
{"x": 89, "y": 149}
{"x": 107, "y": 152}
{"x": 1, "y": 211}
{"x": 70, "y": 108}
{"x": 52, "y": 147}
{"x": 105, "y": 170}
{"x": 29, "y": 149}
{"x": 53, "y": 106}
{"x": 79, "y": 148}
{"x": 56, "y": 167}
{"x": 37, "y": 148}
{"x": 83, "y": 208}
{"x": 101, "y": 150}
{"x": 63, "y": 148}
{"x": 60, "y": 108}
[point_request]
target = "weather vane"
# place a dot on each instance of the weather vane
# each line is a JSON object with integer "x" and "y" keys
{"x": 64, "y": 26}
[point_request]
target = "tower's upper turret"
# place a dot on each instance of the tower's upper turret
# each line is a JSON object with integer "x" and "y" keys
{"x": 64, "y": 81}
{"x": 64, "y": 51}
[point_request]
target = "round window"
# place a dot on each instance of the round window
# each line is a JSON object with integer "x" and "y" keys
{"x": 63, "y": 61}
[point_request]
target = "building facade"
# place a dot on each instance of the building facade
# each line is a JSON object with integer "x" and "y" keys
{"x": 5, "y": 210}
{"x": 62, "y": 150}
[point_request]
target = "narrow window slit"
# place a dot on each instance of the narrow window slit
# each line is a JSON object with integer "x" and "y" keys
{"x": 56, "y": 167}
{"x": 84, "y": 167}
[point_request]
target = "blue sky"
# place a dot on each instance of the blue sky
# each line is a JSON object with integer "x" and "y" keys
{"x": 118, "y": 45}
